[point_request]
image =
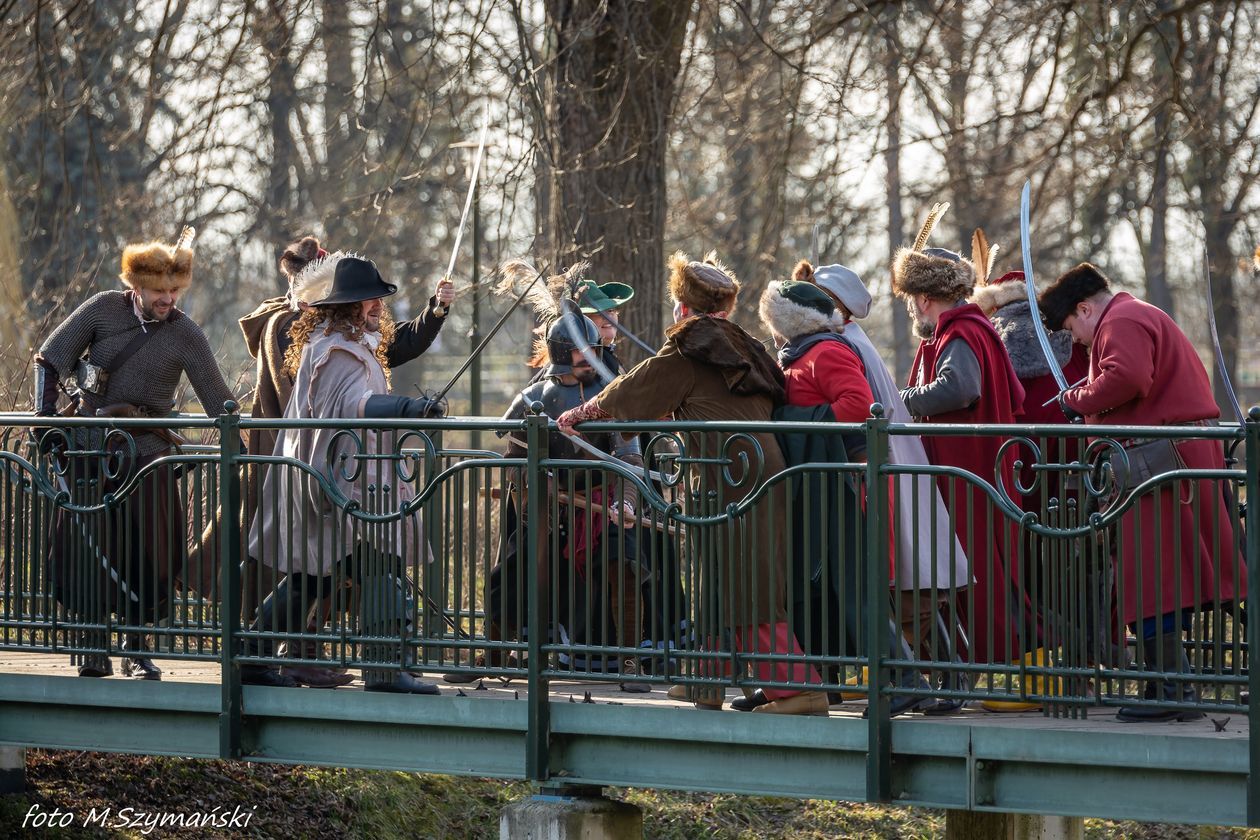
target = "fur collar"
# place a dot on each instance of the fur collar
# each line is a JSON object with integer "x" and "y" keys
{"x": 1014, "y": 326}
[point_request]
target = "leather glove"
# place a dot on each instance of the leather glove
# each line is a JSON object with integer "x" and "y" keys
{"x": 1072, "y": 415}
{"x": 396, "y": 405}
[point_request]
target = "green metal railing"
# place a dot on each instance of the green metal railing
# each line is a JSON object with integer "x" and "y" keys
{"x": 890, "y": 582}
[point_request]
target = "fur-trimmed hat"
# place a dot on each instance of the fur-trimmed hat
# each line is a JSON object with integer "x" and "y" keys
{"x": 703, "y": 287}
{"x": 156, "y": 265}
{"x": 793, "y": 308}
{"x": 1060, "y": 298}
{"x": 934, "y": 272}
{"x": 1006, "y": 289}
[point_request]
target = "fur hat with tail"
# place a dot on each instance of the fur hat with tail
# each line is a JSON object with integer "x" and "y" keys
{"x": 156, "y": 265}
{"x": 704, "y": 287}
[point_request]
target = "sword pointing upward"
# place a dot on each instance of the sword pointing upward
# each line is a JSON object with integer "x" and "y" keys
{"x": 1216, "y": 343}
{"x": 440, "y": 310}
{"x": 1031, "y": 288}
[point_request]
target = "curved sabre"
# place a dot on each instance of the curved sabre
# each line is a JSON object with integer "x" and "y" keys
{"x": 472, "y": 188}
{"x": 1031, "y": 288}
{"x": 1216, "y": 343}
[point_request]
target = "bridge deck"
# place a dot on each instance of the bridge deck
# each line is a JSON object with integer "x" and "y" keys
{"x": 1235, "y": 727}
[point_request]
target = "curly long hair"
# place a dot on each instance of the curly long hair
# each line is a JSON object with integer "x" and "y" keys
{"x": 345, "y": 318}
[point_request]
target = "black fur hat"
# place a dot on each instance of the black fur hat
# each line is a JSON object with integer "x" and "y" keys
{"x": 1060, "y": 298}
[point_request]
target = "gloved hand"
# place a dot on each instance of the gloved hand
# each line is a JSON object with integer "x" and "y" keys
{"x": 396, "y": 405}
{"x": 1072, "y": 415}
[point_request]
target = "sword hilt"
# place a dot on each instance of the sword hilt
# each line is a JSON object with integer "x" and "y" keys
{"x": 440, "y": 310}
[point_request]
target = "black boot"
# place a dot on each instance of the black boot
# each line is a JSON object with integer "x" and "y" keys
{"x": 286, "y": 604}
{"x": 139, "y": 667}
{"x": 96, "y": 665}
{"x": 383, "y": 609}
{"x": 1169, "y": 655}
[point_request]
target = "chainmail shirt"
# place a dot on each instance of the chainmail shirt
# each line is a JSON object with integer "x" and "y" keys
{"x": 106, "y": 323}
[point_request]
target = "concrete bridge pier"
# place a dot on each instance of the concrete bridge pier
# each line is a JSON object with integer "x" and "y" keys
{"x": 571, "y": 812}
{"x": 977, "y": 825}
{"x": 12, "y": 770}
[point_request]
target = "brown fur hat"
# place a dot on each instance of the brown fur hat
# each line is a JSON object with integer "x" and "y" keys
{"x": 298, "y": 255}
{"x": 156, "y": 265}
{"x": 930, "y": 272}
{"x": 1060, "y": 298}
{"x": 704, "y": 287}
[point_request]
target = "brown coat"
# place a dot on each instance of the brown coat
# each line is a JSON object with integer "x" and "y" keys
{"x": 710, "y": 369}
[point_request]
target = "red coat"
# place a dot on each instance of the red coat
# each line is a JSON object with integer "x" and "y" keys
{"x": 1178, "y": 541}
{"x": 994, "y": 623}
{"x": 830, "y": 372}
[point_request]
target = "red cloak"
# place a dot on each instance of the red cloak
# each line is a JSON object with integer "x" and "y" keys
{"x": 1177, "y": 547}
{"x": 991, "y": 540}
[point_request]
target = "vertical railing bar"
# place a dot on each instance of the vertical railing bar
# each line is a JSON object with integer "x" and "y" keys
{"x": 538, "y": 734}
{"x": 229, "y": 568}
{"x": 879, "y": 727}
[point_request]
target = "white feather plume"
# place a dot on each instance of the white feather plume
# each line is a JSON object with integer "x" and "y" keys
{"x": 314, "y": 282}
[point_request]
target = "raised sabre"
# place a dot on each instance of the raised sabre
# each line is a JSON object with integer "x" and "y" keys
{"x": 440, "y": 310}
{"x": 1031, "y": 288}
{"x": 1216, "y": 343}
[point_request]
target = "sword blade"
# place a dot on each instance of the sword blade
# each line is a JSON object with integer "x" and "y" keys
{"x": 493, "y": 331}
{"x": 472, "y": 187}
{"x": 1221, "y": 367}
{"x": 1031, "y": 288}
{"x": 643, "y": 345}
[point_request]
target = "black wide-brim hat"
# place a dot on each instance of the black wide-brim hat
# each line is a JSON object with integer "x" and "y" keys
{"x": 356, "y": 280}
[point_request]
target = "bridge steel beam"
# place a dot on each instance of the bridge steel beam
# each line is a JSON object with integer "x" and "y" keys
{"x": 1165, "y": 773}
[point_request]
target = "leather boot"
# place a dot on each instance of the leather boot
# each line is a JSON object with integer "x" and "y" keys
{"x": 382, "y": 612}
{"x": 286, "y": 604}
{"x": 494, "y": 633}
{"x": 140, "y": 667}
{"x": 626, "y": 602}
{"x": 96, "y": 665}
{"x": 1166, "y": 655}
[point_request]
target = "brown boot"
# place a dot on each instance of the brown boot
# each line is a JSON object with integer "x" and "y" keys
{"x": 625, "y": 600}
{"x": 804, "y": 703}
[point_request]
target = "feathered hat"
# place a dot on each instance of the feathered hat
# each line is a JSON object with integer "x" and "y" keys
{"x": 560, "y": 294}
{"x": 935, "y": 272}
{"x": 991, "y": 296}
{"x": 156, "y": 265}
{"x": 316, "y": 284}
{"x": 703, "y": 287}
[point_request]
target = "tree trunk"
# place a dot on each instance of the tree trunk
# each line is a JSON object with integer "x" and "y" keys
{"x": 896, "y": 224}
{"x": 274, "y": 33}
{"x": 610, "y": 91}
{"x": 339, "y": 120}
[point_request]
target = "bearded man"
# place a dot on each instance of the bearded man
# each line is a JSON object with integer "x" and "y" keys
{"x": 961, "y": 374}
{"x": 127, "y": 351}
{"x": 338, "y": 363}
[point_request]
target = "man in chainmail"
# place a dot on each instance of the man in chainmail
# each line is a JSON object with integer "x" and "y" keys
{"x": 597, "y": 576}
{"x": 126, "y": 350}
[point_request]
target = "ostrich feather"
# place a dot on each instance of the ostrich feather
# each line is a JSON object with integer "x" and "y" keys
{"x": 315, "y": 281}
{"x": 515, "y": 277}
